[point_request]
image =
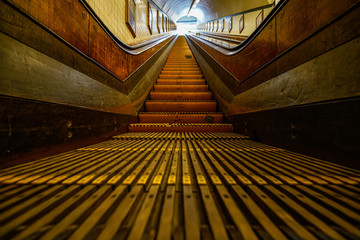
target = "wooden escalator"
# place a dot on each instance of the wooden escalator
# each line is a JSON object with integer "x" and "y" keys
{"x": 180, "y": 173}
{"x": 181, "y": 100}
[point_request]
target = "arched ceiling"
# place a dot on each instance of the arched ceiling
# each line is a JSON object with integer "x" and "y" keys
{"x": 208, "y": 9}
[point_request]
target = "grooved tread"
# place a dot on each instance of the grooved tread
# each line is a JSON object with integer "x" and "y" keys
{"x": 93, "y": 191}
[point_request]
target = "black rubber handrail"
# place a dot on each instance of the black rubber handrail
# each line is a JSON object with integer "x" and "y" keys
{"x": 224, "y": 38}
{"x": 215, "y": 45}
{"x": 234, "y": 37}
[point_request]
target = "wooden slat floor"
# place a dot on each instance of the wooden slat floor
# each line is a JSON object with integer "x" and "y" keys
{"x": 179, "y": 186}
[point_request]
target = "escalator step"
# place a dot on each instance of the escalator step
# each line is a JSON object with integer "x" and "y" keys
{"x": 179, "y": 127}
{"x": 180, "y": 106}
{"x": 181, "y": 82}
{"x": 178, "y": 117}
{"x": 180, "y": 95}
{"x": 164, "y": 87}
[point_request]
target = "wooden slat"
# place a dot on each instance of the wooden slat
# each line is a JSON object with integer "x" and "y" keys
{"x": 143, "y": 217}
{"x": 191, "y": 213}
{"x": 26, "y": 204}
{"x": 90, "y": 223}
{"x": 19, "y": 197}
{"x": 64, "y": 226}
{"x": 283, "y": 215}
{"x": 236, "y": 214}
{"x": 120, "y": 163}
{"x": 14, "y": 192}
{"x": 47, "y": 219}
{"x": 149, "y": 162}
{"x": 167, "y": 215}
{"x": 229, "y": 156}
{"x": 113, "y": 223}
{"x": 116, "y": 178}
{"x": 336, "y": 195}
{"x": 23, "y": 168}
{"x": 216, "y": 224}
{"x": 325, "y": 212}
{"x": 11, "y": 225}
{"x": 29, "y": 171}
{"x": 261, "y": 217}
{"x": 335, "y": 205}
{"x": 6, "y": 188}
{"x": 326, "y": 229}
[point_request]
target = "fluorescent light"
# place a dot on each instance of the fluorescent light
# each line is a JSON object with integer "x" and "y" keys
{"x": 195, "y": 3}
{"x": 193, "y": 6}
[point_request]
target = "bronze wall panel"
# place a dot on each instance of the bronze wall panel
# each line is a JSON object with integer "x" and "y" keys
{"x": 253, "y": 57}
{"x": 299, "y": 19}
{"x": 344, "y": 29}
{"x": 291, "y": 25}
{"x": 105, "y": 51}
{"x": 58, "y": 15}
{"x": 261, "y": 50}
{"x": 23, "y": 29}
{"x": 71, "y": 21}
{"x": 341, "y": 31}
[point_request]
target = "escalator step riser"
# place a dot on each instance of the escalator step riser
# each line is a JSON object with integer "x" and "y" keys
{"x": 181, "y": 87}
{"x": 181, "y": 68}
{"x": 180, "y": 95}
{"x": 180, "y": 76}
{"x": 179, "y": 118}
{"x": 180, "y": 106}
{"x": 181, "y": 82}
{"x": 180, "y": 72}
{"x": 179, "y": 129}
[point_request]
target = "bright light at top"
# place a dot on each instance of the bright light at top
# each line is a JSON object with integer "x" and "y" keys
{"x": 198, "y": 13}
{"x": 195, "y": 3}
{"x": 186, "y": 24}
{"x": 185, "y": 28}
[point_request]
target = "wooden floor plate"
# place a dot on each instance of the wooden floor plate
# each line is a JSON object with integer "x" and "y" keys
{"x": 149, "y": 117}
{"x": 180, "y": 135}
{"x": 180, "y": 95}
{"x": 179, "y": 88}
{"x": 180, "y": 127}
{"x": 180, "y": 106}
{"x": 166, "y": 185}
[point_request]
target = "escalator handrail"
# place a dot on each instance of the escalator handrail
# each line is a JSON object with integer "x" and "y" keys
{"x": 134, "y": 49}
{"x": 234, "y": 50}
